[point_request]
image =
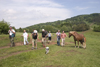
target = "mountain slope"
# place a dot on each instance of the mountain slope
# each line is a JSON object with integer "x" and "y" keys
{"x": 77, "y": 23}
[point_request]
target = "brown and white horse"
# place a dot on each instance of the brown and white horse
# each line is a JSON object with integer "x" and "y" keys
{"x": 79, "y": 38}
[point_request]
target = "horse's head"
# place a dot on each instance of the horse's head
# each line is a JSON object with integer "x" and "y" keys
{"x": 71, "y": 33}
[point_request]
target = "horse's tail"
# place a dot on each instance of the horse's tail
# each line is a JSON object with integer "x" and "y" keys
{"x": 84, "y": 43}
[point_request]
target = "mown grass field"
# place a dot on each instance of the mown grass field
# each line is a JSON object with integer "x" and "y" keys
{"x": 67, "y": 56}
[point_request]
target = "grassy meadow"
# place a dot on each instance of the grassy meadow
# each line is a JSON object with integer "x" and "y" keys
{"x": 67, "y": 56}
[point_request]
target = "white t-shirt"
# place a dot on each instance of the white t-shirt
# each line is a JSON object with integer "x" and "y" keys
{"x": 58, "y": 34}
{"x": 10, "y": 32}
{"x": 49, "y": 34}
{"x": 25, "y": 34}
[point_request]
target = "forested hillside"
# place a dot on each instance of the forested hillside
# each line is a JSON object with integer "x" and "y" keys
{"x": 77, "y": 23}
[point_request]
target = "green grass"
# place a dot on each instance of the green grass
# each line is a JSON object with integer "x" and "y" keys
{"x": 4, "y": 39}
{"x": 67, "y": 56}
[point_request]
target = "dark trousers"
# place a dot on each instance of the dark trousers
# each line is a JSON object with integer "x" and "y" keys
{"x": 58, "y": 41}
{"x": 12, "y": 41}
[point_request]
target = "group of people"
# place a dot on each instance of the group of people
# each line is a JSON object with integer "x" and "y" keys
{"x": 35, "y": 36}
{"x": 62, "y": 37}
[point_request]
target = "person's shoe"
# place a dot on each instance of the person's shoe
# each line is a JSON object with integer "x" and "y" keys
{"x": 13, "y": 45}
{"x": 32, "y": 48}
{"x": 42, "y": 42}
{"x": 36, "y": 48}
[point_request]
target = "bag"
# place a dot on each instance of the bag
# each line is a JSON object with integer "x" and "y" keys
{"x": 13, "y": 35}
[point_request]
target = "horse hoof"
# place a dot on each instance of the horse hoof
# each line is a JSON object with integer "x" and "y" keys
{"x": 85, "y": 48}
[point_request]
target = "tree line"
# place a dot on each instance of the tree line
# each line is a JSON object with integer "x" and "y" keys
{"x": 77, "y": 23}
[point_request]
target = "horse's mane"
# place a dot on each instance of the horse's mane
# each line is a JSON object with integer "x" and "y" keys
{"x": 74, "y": 33}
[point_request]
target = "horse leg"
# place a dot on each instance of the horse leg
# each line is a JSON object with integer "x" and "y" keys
{"x": 75, "y": 44}
{"x": 78, "y": 43}
{"x": 84, "y": 43}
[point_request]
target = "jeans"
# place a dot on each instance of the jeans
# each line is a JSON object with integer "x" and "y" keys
{"x": 58, "y": 41}
{"x": 25, "y": 40}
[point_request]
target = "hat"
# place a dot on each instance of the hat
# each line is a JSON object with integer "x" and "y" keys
{"x": 35, "y": 31}
{"x": 43, "y": 30}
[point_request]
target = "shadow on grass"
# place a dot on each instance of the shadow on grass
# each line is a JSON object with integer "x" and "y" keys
{"x": 74, "y": 46}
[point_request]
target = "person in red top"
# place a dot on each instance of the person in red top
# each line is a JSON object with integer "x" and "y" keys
{"x": 63, "y": 35}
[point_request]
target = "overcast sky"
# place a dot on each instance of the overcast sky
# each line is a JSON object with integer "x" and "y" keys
{"x": 23, "y": 13}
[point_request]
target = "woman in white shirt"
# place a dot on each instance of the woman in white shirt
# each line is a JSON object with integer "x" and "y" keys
{"x": 25, "y": 35}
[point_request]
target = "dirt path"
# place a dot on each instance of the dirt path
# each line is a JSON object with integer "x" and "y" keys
{"x": 21, "y": 43}
{"x": 16, "y": 44}
{"x": 16, "y": 53}
{"x": 19, "y": 52}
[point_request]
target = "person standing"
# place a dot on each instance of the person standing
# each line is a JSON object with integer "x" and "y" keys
{"x": 58, "y": 37}
{"x": 11, "y": 36}
{"x": 63, "y": 35}
{"x": 34, "y": 40}
{"x": 49, "y": 37}
{"x": 25, "y": 35}
{"x": 44, "y": 38}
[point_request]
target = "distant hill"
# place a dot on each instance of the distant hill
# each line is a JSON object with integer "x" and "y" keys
{"x": 77, "y": 23}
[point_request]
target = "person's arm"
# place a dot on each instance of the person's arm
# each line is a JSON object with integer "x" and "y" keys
{"x": 22, "y": 35}
{"x": 51, "y": 34}
{"x": 37, "y": 36}
{"x": 56, "y": 33}
{"x": 41, "y": 36}
{"x": 46, "y": 36}
{"x": 61, "y": 36}
{"x": 13, "y": 31}
{"x": 65, "y": 35}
